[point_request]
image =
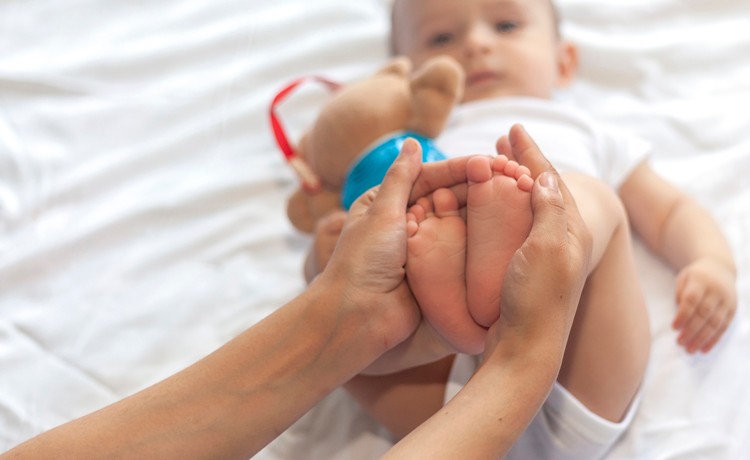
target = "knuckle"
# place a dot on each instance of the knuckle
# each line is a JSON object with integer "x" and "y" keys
{"x": 705, "y": 311}
{"x": 715, "y": 322}
{"x": 691, "y": 297}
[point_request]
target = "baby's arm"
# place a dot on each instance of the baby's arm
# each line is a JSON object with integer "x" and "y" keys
{"x": 677, "y": 228}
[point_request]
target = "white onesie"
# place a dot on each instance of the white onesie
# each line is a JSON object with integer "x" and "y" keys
{"x": 564, "y": 428}
{"x": 571, "y": 140}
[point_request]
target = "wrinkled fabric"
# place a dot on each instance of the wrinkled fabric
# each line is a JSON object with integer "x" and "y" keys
{"x": 142, "y": 198}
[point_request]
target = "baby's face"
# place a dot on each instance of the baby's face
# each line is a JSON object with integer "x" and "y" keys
{"x": 506, "y": 47}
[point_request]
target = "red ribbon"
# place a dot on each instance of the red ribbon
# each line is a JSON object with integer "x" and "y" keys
{"x": 310, "y": 180}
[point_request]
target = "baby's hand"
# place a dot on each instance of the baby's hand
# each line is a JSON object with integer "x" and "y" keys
{"x": 706, "y": 303}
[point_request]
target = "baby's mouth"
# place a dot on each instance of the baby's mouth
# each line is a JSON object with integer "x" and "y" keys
{"x": 482, "y": 77}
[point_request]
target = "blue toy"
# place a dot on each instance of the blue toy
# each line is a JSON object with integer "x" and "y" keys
{"x": 369, "y": 170}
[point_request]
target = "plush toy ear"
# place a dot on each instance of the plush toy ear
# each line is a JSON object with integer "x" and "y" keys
{"x": 436, "y": 88}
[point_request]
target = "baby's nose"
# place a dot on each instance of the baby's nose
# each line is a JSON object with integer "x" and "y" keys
{"x": 479, "y": 38}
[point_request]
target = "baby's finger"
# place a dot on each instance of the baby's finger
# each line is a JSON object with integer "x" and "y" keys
{"x": 715, "y": 321}
{"x": 705, "y": 317}
{"x": 689, "y": 296}
{"x": 709, "y": 345}
{"x": 712, "y": 329}
{"x": 694, "y": 324}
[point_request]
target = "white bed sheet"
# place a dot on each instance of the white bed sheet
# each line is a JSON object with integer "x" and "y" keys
{"x": 142, "y": 199}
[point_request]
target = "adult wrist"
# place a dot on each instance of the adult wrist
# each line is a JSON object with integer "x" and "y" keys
{"x": 541, "y": 351}
{"x": 352, "y": 326}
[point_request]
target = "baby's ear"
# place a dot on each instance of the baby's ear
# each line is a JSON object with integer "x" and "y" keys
{"x": 567, "y": 63}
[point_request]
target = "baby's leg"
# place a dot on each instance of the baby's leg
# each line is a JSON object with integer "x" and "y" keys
{"x": 435, "y": 270}
{"x": 607, "y": 351}
{"x": 498, "y": 219}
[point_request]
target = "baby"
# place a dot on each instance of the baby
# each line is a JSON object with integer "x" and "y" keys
{"x": 515, "y": 60}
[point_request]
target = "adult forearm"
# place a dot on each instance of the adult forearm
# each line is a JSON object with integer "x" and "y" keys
{"x": 488, "y": 415}
{"x": 231, "y": 403}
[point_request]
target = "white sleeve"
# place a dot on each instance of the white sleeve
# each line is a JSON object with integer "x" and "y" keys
{"x": 619, "y": 154}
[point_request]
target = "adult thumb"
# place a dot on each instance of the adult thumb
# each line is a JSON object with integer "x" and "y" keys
{"x": 393, "y": 193}
{"x": 548, "y": 207}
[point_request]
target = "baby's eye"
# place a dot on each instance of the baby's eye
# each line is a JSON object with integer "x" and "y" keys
{"x": 506, "y": 26}
{"x": 441, "y": 39}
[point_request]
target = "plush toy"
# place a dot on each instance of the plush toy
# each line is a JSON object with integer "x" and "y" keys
{"x": 360, "y": 131}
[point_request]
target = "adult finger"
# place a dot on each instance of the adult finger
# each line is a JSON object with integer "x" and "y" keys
{"x": 503, "y": 146}
{"x": 393, "y": 192}
{"x": 550, "y": 225}
{"x": 548, "y": 238}
{"x": 522, "y": 148}
{"x": 545, "y": 273}
{"x": 449, "y": 173}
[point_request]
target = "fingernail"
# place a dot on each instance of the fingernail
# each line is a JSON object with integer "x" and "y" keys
{"x": 549, "y": 181}
{"x": 515, "y": 130}
{"x": 410, "y": 146}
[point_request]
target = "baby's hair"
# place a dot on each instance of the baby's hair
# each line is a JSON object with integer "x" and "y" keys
{"x": 392, "y": 44}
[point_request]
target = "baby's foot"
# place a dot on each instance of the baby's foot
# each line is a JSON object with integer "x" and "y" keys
{"x": 435, "y": 270}
{"x": 498, "y": 220}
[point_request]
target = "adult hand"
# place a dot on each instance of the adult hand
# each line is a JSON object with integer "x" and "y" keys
{"x": 525, "y": 347}
{"x": 545, "y": 277}
{"x": 279, "y": 368}
{"x": 367, "y": 265}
